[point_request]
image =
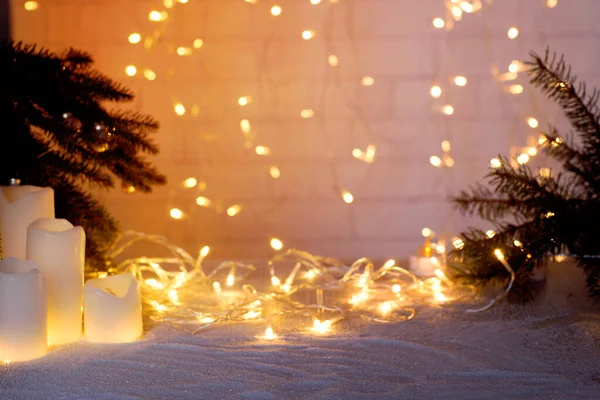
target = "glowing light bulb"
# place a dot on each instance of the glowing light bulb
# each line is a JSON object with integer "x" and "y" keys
{"x": 176, "y": 213}
{"x": 514, "y": 66}
{"x": 513, "y": 32}
{"x": 179, "y": 109}
{"x": 190, "y": 182}
{"x": 389, "y": 263}
{"x": 183, "y": 1}
{"x": 197, "y": 43}
{"x": 460, "y": 81}
{"x": 204, "y": 251}
{"x": 438, "y": 23}
{"x": 435, "y": 161}
{"x": 532, "y": 151}
{"x": 230, "y": 279}
{"x": 274, "y": 172}
{"x": 130, "y": 70}
{"x": 134, "y": 38}
{"x": 276, "y": 244}
{"x": 276, "y": 10}
{"x": 490, "y": 233}
{"x": 275, "y": 281}
{"x": 532, "y": 122}
{"x": 308, "y": 113}
{"x": 495, "y": 163}
{"x": 202, "y": 201}
{"x": 551, "y": 3}
{"x": 234, "y": 210}
{"x": 183, "y": 51}
{"x": 458, "y": 243}
{"x": 466, "y": 7}
{"x": 244, "y": 101}
{"x": 31, "y": 5}
{"x": 456, "y": 13}
{"x": 333, "y": 60}
{"x": 435, "y": 91}
{"x": 168, "y": 3}
{"x": 157, "y": 16}
{"x": 310, "y": 274}
{"x": 245, "y": 126}
{"x": 523, "y": 158}
{"x": 262, "y": 150}
{"x": 515, "y": 89}
{"x": 269, "y": 334}
{"x": 448, "y": 110}
{"x": 498, "y": 254}
{"x": 149, "y": 74}
{"x": 396, "y": 288}
{"x": 446, "y": 146}
{"x": 426, "y": 232}
{"x": 306, "y": 35}
{"x": 130, "y": 189}
{"x": 440, "y": 248}
{"x": 368, "y": 81}
{"x": 347, "y": 196}
{"x": 314, "y": 2}
{"x": 518, "y": 243}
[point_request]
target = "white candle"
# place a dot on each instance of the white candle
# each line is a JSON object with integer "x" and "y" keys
{"x": 58, "y": 249}
{"x": 22, "y": 311}
{"x": 112, "y": 309}
{"x": 19, "y": 207}
{"x": 423, "y": 266}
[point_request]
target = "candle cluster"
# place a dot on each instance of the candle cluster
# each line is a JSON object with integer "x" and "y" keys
{"x": 178, "y": 290}
{"x": 42, "y": 282}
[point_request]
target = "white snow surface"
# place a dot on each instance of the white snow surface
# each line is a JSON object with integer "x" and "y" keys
{"x": 549, "y": 349}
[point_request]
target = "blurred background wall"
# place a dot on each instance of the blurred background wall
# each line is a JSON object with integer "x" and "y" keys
{"x": 277, "y": 125}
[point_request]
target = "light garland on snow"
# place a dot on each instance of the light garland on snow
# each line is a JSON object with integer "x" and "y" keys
{"x": 178, "y": 290}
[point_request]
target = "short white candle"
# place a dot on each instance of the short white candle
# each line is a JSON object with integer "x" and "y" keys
{"x": 19, "y": 207}
{"x": 424, "y": 267}
{"x": 22, "y": 311}
{"x": 58, "y": 249}
{"x": 112, "y": 309}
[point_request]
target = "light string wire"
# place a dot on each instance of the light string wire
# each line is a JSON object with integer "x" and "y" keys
{"x": 177, "y": 290}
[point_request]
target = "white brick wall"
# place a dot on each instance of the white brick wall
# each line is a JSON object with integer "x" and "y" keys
{"x": 247, "y": 51}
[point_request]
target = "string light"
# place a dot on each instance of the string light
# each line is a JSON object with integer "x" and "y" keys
{"x": 262, "y": 150}
{"x": 347, "y": 196}
{"x": 515, "y": 66}
{"x": 515, "y": 89}
{"x": 244, "y": 101}
{"x": 523, "y": 158}
{"x": 203, "y": 201}
{"x": 183, "y": 51}
{"x": 197, "y": 43}
{"x": 368, "y": 81}
{"x": 314, "y": 2}
{"x": 149, "y": 74}
{"x": 435, "y": 91}
{"x": 426, "y": 232}
{"x": 495, "y": 163}
{"x": 176, "y": 213}
{"x": 306, "y": 35}
{"x": 190, "y": 182}
{"x": 532, "y": 122}
{"x": 490, "y": 233}
{"x": 551, "y": 3}
{"x": 513, "y": 32}
{"x": 168, "y": 3}
{"x": 274, "y": 172}
{"x": 130, "y": 70}
{"x": 308, "y": 113}
{"x": 276, "y": 10}
{"x": 276, "y": 244}
{"x": 179, "y": 109}
{"x": 31, "y": 5}
{"x": 438, "y": 23}
{"x": 234, "y": 210}
{"x": 156, "y": 16}
{"x": 448, "y": 109}
{"x": 460, "y": 81}
{"x": 134, "y": 38}
{"x": 435, "y": 161}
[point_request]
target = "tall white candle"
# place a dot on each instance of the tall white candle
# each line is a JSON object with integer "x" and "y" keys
{"x": 22, "y": 311}
{"x": 19, "y": 207}
{"x": 112, "y": 309}
{"x": 58, "y": 249}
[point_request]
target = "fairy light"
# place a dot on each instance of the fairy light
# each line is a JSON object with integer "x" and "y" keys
{"x": 435, "y": 91}
{"x": 545, "y": 172}
{"x": 179, "y": 109}
{"x": 495, "y": 163}
{"x": 515, "y": 89}
{"x": 368, "y": 81}
{"x": 448, "y": 109}
{"x": 385, "y": 308}
{"x": 321, "y": 327}
{"x": 183, "y": 51}
{"x": 203, "y": 201}
{"x": 274, "y": 172}
{"x": 551, "y": 3}
{"x": 518, "y": 243}
{"x": 245, "y": 126}
{"x": 333, "y": 60}
{"x": 532, "y": 122}
{"x": 456, "y": 13}
{"x": 276, "y": 244}
{"x": 458, "y": 243}
{"x": 262, "y": 150}
{"x": 460, "y": 81}
{"x": 513, "y": 32}
{"x": 523, "y": 158}
{"x": 308, "y": 113}
{"x": 244, "y": 101}
{"x": 426, "y": 232}
{"x": 315, "y": 2}
{"x": 190, "y": 182}
{"x": 134, "y": 38}
{"x": 490, "y": 233}
{"x": 149, "y": 74}
{"x": 435, "y": 161}
{"x": 438, "y": 23}
{"x": 276, "y": 10}
{"x": 269, "y": 334}
{"x": 234, "y": 210}
{"x": 130, "y": 70}
{"x": 396, "y": 288}
{"x": 176, "y": 213}
{"x": 466, "y": 7}
{"x": 347, "y": 197}
{"x": 307, "y": 35}
{"x": 168, "y": 3}
{"x": 230, "y": 279}
{"x": 31, "y": 5}
{"x": 532, "y": 151}
{"x": 515, "y": 66}
{"x": 197, "y": 43}
{"x": 156, "y": 16}
{"x": 446, "y": 146}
